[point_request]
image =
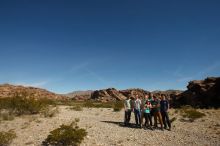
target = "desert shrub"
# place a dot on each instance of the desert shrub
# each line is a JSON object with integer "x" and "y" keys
{"x": 173, "y": 119}
{"x": 105, "y": 105}
{"x": 6, "y": 116}
{"x": 118, "y": 105}
{"x": 6, "y": 137}
{"x": 49, "y": 111}
{"x": 191, "y": 113}
{"x": 88, "y": 104}
{"x": 66, "y": 135}
{"x": 76, "y": 108}
{"x": 97, "y": 104}
{"x": 176, "y": 111}
{"x": 22, "y": 105}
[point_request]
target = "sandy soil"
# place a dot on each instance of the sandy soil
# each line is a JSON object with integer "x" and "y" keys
{"x": 104, "y": 127}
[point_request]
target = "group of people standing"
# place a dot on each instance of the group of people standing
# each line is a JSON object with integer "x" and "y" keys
{"x": 146, "y": 108}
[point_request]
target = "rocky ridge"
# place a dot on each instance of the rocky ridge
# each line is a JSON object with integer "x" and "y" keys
{"x": 7, "y": 90}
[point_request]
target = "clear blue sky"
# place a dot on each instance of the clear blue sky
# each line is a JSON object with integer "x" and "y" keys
{"x": 69, "y": 45}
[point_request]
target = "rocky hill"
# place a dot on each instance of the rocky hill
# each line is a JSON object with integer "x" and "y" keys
{"x": 7, "y": 90}
{"x": 201, "y": 93}
{"x": 80, "y": 95}
{"x": 133, "y": 92}
{"x": 105, "y": 95}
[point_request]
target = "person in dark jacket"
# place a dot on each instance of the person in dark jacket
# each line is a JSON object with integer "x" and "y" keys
{"x": 164, "y": 108}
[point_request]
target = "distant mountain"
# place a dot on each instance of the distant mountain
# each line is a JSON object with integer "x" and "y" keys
{"x": 8, "y": 90}
{"x": 202, "y": 93}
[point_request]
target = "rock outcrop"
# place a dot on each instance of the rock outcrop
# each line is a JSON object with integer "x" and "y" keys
{"x": 133, "y": 92}
{"x": 110, "y": 94}
{"x": 201, "y": 93}
{"x": 80, "y": 95}
{"x": 7, "y": 90}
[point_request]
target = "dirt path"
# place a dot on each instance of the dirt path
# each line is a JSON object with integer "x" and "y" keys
{"x": 104, "y": 128}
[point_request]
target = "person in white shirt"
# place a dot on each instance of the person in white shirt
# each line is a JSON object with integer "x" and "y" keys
{"x": 137, "y": 111}
{"x": 127, "y": 107}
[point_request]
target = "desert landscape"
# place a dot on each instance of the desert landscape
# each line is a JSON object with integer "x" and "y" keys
{"x": 109, "y": 73}
{"x": 105, "y": 127}
{"x": 100, "y": 113}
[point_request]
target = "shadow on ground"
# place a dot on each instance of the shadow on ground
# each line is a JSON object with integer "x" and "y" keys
{"x": 121, "y": 124}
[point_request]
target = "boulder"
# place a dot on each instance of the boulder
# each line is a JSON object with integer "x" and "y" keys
{"x": 201, "y": 93}
{"x": 105, "y": 95}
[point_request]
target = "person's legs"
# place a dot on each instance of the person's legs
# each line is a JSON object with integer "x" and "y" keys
{"x": 139, "y": 117}
{"x": 149, "y": 119}
{"x": 151, "y": 116}
{"x": 125, "y": 118}
{"x": 142, "y": 116}
{"x": 155, "y": 119}
{"x": 160, "y": 119}
{"x": 136, "y": 116}
{"x": 129, "y": 116}
{"x": 168, "y": 120}
{"x": 163, "y": 114}
{"x": 146, "y": 120}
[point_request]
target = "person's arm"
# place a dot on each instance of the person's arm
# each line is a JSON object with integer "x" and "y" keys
{"x": 145, "y": 105}
{"x": 132, "y": 105}
{"x": 150, "y": 106}
{"x": 158, "y": 104}
{"x": 168, "y": 106}
{"x": 125, "y": 106}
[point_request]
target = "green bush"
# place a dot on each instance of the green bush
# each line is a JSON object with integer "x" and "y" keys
{"x": 191, "y": 113}
{"x": 88, "y": 104}
{"x": 6, "y": 137}
{"x": 118, "y": 105}
{"x": 173, "y": 119}
{"x": 48, "y": 111}
{"x": 93, "y": 104}
{"x": 6, "y": 116}
{"x": 76, "y": 108}
{"x": 66, "y": 135}
{"x": 22, "y": 105}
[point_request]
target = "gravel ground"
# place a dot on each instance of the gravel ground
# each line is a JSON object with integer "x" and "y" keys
{"x": 104, "y": 127}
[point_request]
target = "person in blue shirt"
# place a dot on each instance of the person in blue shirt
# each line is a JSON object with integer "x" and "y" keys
{"x": 164, "y": 108}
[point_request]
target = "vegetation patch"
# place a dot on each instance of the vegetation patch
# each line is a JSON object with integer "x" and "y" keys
{"x": 76, "y": 108}
{"x": 49, "y": 111}
{"x": 23, "y": 105}
{"x": 6, "y": 116}
{"x": 190, "y": 113}
{"x": 95, "y": 104}
{"x": 6, "y": 137}
{"x": 173, "y": 119}
{"x": 118, "y": 105}
{"x": 66, "y": 135}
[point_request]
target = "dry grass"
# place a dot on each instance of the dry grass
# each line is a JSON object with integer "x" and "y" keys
{"x": 7, "y": 137}
{"x": 190, "y": 113}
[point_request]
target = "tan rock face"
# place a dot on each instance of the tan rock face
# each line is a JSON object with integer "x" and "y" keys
{"x": 7, "y": 90}
{"x": 133, "y": 92}
{"x": 105, "y": 95}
